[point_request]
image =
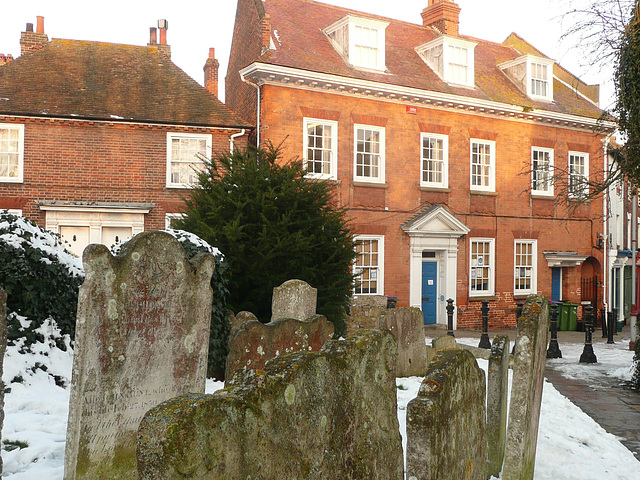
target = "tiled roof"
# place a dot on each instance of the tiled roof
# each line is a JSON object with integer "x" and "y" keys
{"x": 300, "y": 43}
{"x": 70, "y": 78}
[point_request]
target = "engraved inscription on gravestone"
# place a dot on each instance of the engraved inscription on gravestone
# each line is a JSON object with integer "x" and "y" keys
{"x": 141, "y": 338}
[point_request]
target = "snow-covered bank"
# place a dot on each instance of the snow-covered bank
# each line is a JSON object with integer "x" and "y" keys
{"x": 571, "y": 446}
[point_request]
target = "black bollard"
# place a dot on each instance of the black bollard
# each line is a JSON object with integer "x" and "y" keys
{"x": 519, "y": 307}
{"x": 603, "y": 316}
{"x": 450, "y": 309}
{"x": 587, "y": 354}
{"x": 484, "y": 338}
{"x": 615, "y": 320}
{"x": 554, "y": 349}
{"x": 611, "y": 324}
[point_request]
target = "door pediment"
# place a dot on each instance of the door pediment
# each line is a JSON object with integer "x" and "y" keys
{"x": 435, "y": 221}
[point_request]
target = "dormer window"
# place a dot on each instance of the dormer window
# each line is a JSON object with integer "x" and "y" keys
{"x": 451, "y": 58}
{"x": 360, "y": 41}
{"x": 531, "y": 74}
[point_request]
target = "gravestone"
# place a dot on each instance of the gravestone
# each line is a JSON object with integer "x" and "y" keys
{"x": 364, "y": 317}
{"x": 406, "y": 324}
{"x": 236, "y": 321}
{"x": 446, "y": 422}
{"x": 142, "y": 337}
{"x": 497, "y": 392}
{"x": 526, "y": 390}
{"x": 294, "y": 299}
{"x": 3, "y": 348}
{"x": 254, "y": 343}
{"x": 370, "y": 301}
{"x": 327, "y": 415}
{"x": 438, "y": 344}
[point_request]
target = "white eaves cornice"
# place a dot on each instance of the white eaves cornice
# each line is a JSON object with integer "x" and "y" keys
{"x": 266, "y": 74}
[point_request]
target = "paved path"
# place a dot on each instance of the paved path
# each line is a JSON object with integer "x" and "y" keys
{"x": 603, "y": 398}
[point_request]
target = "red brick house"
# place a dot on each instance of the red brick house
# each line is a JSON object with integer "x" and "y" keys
{"x": 463, "y": 162}
{"x": 99, "y": 141}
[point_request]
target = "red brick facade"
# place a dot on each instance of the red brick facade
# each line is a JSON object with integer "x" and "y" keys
{"x": 97, "y": 124}
{"x": 562, "y": 231}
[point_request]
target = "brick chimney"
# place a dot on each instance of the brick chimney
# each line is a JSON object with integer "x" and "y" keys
{"x": 266, "y": 32}
{"x": 444, "y": 15}
{"x": 211, "y": 72}
{"x": 30, "y": 41}
{"x": 153, "y": 37}
{"x": 163, "y": 26}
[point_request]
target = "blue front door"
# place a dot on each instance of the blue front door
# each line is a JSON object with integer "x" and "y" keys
{"x": 556, "y": 284}
{"x": 429, "y": 291}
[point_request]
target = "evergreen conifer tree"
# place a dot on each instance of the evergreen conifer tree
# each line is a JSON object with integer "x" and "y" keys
{"x": 272, "y": 224}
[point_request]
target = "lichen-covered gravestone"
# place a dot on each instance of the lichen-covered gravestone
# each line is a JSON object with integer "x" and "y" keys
{"x": 327, "y": 415}
{"x": 526, "y": 390}
{"x": 446, "y": 422}
{"x": 294, "y": 299}
{"x": 407, "y": 326}
{"x": 3, "y": 347}
{"x": 497, "y": 392}
{"x": 255, "y": 343}
{"x": 142, "y": 337}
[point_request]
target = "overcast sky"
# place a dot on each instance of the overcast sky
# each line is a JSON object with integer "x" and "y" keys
{"x": 195, "y": 26}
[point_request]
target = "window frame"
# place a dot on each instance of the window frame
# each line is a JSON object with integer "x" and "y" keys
{"x": 333, "y": 162}
{"x": 490, "y": 291}
{"x": 491, "y": 187}
{"x": 19, "y": 178}
{"x": 379, "y": 267}
{"x": 371, "y": 25}
{"x": 444, "y": 183}
{"x": 549, "y": 191}
{"x": 170, "y": 136}
{"x": 533, "y": 288}
{"x": 380, "y": 178}
{"x": 548, "y": 81}
{"x": 169, "y": 217}
{"x": 584, "y": 175}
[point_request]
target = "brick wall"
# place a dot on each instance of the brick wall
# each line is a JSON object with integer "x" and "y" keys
{"x": 246, "y": 46}
{"x": 89, "y": 161}
{"x": 511, "y": 213}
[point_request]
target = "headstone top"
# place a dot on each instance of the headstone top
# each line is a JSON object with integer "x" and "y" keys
{"x": 294, "y": 299}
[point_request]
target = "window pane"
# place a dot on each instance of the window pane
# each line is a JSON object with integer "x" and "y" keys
{"x": 366, "y": 266}
{"x": 368, "y": 153}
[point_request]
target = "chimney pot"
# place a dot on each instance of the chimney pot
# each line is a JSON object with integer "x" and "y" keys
{"x": 153, "y": 36}
{"x": 211, "y": 67}
{"x": 29, "y": 27}
{"x": 3, "y": 59}
{"x": 40, "y": 28}
{"x": 9, "y": 58}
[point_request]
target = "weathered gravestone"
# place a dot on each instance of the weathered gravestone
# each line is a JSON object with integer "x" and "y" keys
{"x": 142, "y": 337}
{"x": 446, "y": 422}
{"x": 3, "y": 348}
{"x": 255, "y": 343}
{"x": 294, "y": 299}
{"x": 327, "y": 415}
{"x": 236, "y": 321}
{"x": 497, "y": 392}
{"x": 439, "y": 344}
{"x": 364, "y": 317}
{"x": 406, "y": 324}
{"x": 526, "y": 390}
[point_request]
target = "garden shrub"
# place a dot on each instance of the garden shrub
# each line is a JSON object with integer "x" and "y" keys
{"x": 40, "y": 277}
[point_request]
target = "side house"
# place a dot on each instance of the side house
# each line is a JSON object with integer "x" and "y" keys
{"x": 100, "y": 141}
{"x": 464, "y": 163}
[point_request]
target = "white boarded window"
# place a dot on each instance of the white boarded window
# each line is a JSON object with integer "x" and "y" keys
{"x": 481, "y": 274}
{"x": 539, "y": 80}
{"x": 11, "y": 153}
{"x": 320, "y": 148}
{"x": 369, "y": 265}
{"x": 542, "y": 171}
{"x": 186, "y": 154}
{"x": 434, "y": 162}
{"x": 525, "y": 262}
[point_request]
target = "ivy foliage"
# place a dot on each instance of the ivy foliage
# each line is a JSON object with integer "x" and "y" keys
{"x": 627, "y": 107}
{"x": 273, "y": 224}
{"x": 40, "y": 277}
{"x": 635, "y": 377}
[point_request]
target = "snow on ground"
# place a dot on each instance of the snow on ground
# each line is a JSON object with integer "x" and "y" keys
{"x": 571, "y": 446}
